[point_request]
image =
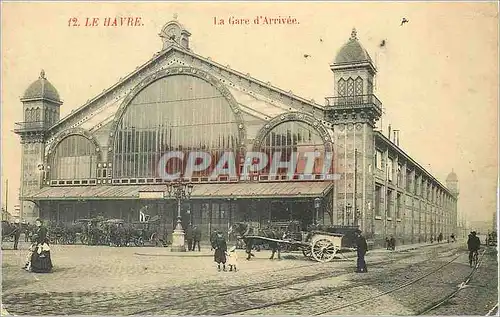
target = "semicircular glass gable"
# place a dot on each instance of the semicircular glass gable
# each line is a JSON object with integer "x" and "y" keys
{"x": 74, "y": 157}
{"x": 175, "y": 113}
{"x": 295, "y": 137}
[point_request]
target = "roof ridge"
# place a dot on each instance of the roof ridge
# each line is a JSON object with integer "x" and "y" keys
{"x": 162, "y": 53}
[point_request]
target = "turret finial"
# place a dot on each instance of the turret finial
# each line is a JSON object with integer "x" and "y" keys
{"x": 354, "y": 34}
{"x": 42, "y": 74}
{"x": 175, "y": 16}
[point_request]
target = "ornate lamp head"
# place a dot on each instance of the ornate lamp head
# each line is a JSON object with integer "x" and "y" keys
{"x": 317, "y": 203}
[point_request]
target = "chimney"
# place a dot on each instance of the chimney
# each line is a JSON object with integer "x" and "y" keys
{"x": 389, "y": 136}
{"x": 394, "y": 136}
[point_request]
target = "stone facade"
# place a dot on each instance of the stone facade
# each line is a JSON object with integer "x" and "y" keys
{"x": 346, "y": 125}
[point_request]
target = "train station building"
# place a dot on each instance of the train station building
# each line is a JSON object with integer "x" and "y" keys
{"x": 102, "y": 159}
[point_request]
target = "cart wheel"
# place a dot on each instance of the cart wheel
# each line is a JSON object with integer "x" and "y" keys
{"x": 307, "y": 253}
{"x": 323, "y": 250}
{"x": 139, "y": 242}
{"x": 154, "y": 239}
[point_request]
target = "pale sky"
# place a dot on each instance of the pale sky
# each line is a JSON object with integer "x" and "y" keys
{"x": 437, "y": 75}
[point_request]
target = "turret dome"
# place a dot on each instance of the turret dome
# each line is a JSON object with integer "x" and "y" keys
{"x": 42, "y": 89}
{"x": 352, "y": 52}
{"x": 452, "y": 177}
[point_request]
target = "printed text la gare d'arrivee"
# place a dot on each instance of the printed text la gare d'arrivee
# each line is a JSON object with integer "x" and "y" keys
{"x": 263, "y": 20}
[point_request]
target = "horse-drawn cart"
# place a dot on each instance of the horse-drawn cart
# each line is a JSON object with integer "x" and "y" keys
{"x": 320, "y": 246}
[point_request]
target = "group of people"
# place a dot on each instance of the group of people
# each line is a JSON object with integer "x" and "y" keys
{"x": 193, "y": 237}
{"x": 15, "y": 230}
{"x": 221, "y": 254}
{"x": 390, "y": 243}
{"x": 39, "y": 260}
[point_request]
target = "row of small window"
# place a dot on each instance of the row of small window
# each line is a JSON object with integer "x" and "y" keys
{"x": 417, "y": 190}
{"x": 390, "y": 209}
{"x": 350, "y": 87}
{"x": 35, "y": 115}
{"x": 399, "y": 204}
{"x": 30, "y": 183}
{"x": 390, "y": 167}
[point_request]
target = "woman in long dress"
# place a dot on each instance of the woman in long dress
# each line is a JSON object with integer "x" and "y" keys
{"x": 220, "y": 246}
{"x": 40, "y": 261}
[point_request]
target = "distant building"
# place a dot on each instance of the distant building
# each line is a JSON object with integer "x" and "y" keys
{"x": 6, "y": 216}
{"x": 29, "y": 212}
{"x": 101, "y": 159}
{"x": 17, "y": 211}
{"x": 495, "y": 225}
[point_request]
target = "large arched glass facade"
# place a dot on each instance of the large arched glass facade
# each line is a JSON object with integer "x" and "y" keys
{"x": 295, "y": 137}
{"x": 175, "y": 113}
{"x": 75, "y": 157}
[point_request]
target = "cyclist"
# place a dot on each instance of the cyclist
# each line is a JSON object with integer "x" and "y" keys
{"x": 473, "y": 244}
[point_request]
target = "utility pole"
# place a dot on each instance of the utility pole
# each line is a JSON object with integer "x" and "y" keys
{"x": 355, "y": 209}
{"x": 7, "y": 195}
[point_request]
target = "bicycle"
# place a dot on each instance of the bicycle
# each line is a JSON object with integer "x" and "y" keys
{"x": 473, "y": 258}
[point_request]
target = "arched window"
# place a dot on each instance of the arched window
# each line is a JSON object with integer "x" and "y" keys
{"x": 74, "y": 158}
{"x": 27, "y": 115}
{"x": 369, "y": 87}
{"x": 359, "y": 86}
{"x": 46, "y": 117}
{"x": 342, "y": 88}
{"x": 37, "y": 114}
{"x": 175, "y": 113}
{"x": 294, "y": 138}
{"x": 350, "y": 87}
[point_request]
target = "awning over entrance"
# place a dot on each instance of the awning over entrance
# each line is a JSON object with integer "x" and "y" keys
{"x": 200, "y": 191}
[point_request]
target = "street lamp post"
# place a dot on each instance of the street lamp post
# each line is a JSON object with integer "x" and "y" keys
{"x": 180, "y": 191}
{"x": 348, "y": 210}
{"x": 317, "y": 204}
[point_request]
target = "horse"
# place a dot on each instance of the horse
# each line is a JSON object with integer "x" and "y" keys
{"x": 8, "y": 230}
{"x": 243, "y": 230}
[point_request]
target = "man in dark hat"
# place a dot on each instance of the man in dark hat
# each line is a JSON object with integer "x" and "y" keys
{"x": 17, "y": 233}
{"x": 392, "y": 243}
{"x": 362, "y": 248}
{"x": 196, "y": 237}
{"x": 473, "y": 244}
{"x": 188, "y": 234}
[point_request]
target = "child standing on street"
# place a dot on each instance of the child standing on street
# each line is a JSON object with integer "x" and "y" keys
{"x": 232, "y": 259}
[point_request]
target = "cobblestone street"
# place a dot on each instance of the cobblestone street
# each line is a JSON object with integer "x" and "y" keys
{"x": 124, "y": 281}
